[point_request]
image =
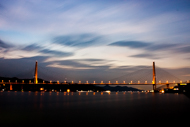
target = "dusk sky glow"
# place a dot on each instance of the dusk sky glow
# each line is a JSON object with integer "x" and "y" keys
{"x": 94, "y": 38}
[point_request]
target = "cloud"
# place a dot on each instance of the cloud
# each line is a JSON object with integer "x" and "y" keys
{"x": 56, "y": 65}
{"x": 32, "y": 47}
{"x": 82, "y": 40}
{"x": 185, "y": 49}
{"x": 70, "y": 64}
{"x": 44, "y": 49}
{"x": 93, "y": 60}
{"x": 4, "y": 45}
{"x": 163, "y": 46}
{"x": 149, "y": 56}
{"x": 80, "y": 64}
{"x": 147, "y": 46}
{"x": 56, "y": 53}
{"x": 130, "y": 44}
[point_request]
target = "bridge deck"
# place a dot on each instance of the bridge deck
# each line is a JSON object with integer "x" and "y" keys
{"x": 90, "y": 83}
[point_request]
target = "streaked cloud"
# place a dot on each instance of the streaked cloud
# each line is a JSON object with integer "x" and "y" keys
{"x": 83, "y": 40}
{"x": 130, "y": 44}
{"x": 56, "y": 53}
{"x": 4, "y": 45}
{"x": 184, "y": 49}
{"x": 149, "y": 56}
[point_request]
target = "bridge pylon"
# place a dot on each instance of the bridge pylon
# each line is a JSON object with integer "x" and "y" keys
{"x": 154, "y": 77}
{"x": 36, "y": 73}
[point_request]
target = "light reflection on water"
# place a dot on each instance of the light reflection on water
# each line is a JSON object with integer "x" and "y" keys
{"x": 57, "y": 99}
{"x": 76, "y": 107}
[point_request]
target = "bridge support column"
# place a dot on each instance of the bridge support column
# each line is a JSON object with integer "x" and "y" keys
{"x": 154, "y": 77}
{"x": 36, "y": 74}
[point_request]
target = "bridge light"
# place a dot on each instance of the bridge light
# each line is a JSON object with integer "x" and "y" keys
{"x": 174, "y": 81}
{"x": 65, "y": 81}
{"x": 86, "y": 82}
{"x": 57, "y": 82}
{"x": 43, "y": 82}
{"x": 72, "y": 82}
{"x": 187, "y": 81}
{"x": 116, "y": 82}
{"x": 131, "y": 82}
{"x": 180, "y": 81}
{"x": 109, "y": 82}
{"x": 41, "y": 88}
{"x": 138, "y": 82}
{"x": 160, "y": 81}
{"x": 68, "y": 90}
{"x": 50, "y": 81}
{"x": 2, "y": 80}
{"x": 107, "y": 91}
{"x": 101, "y": 82}
{"x": 79, "y": 82}
{"x": 11, "y": 87}
{"x": 145, "y": 82}
{"x": 9, "y": 81}
{"x": 166, "y": 81}
{"x": 29, "y": 81}
{"x": 22, "y": 81}
{"x": 123, "y": 82}
{"x": 16, "y": 81}
{"x": 94, "y": 82}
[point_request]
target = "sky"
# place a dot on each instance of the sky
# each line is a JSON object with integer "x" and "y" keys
{"x": 93, "y": 40}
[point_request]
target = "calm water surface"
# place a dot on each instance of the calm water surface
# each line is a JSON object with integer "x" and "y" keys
{"x": 91, "y": 109}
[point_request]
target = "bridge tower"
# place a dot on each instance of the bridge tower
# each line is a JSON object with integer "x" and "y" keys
{"x": 36, "y": 73}
{"x": 154, "y": 77}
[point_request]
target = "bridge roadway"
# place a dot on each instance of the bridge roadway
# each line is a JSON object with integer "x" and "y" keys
{"x": 90, "y": 83}
{"x": 55, "y": 85}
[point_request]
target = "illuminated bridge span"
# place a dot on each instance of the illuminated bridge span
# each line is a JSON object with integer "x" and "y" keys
{"x": 126, "y": 81}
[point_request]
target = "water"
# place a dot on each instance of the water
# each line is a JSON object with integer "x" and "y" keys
{"x": 91, "y": 109}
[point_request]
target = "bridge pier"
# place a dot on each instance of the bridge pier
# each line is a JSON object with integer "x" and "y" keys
{"x": 167, "y": 86}
{"x": 154, "y": 86}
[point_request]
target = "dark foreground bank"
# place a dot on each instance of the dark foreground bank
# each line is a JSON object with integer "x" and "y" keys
{"x": 92, "y": 108}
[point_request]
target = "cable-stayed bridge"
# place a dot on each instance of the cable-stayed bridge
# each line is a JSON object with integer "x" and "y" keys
{"x": 145, "y": 76}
